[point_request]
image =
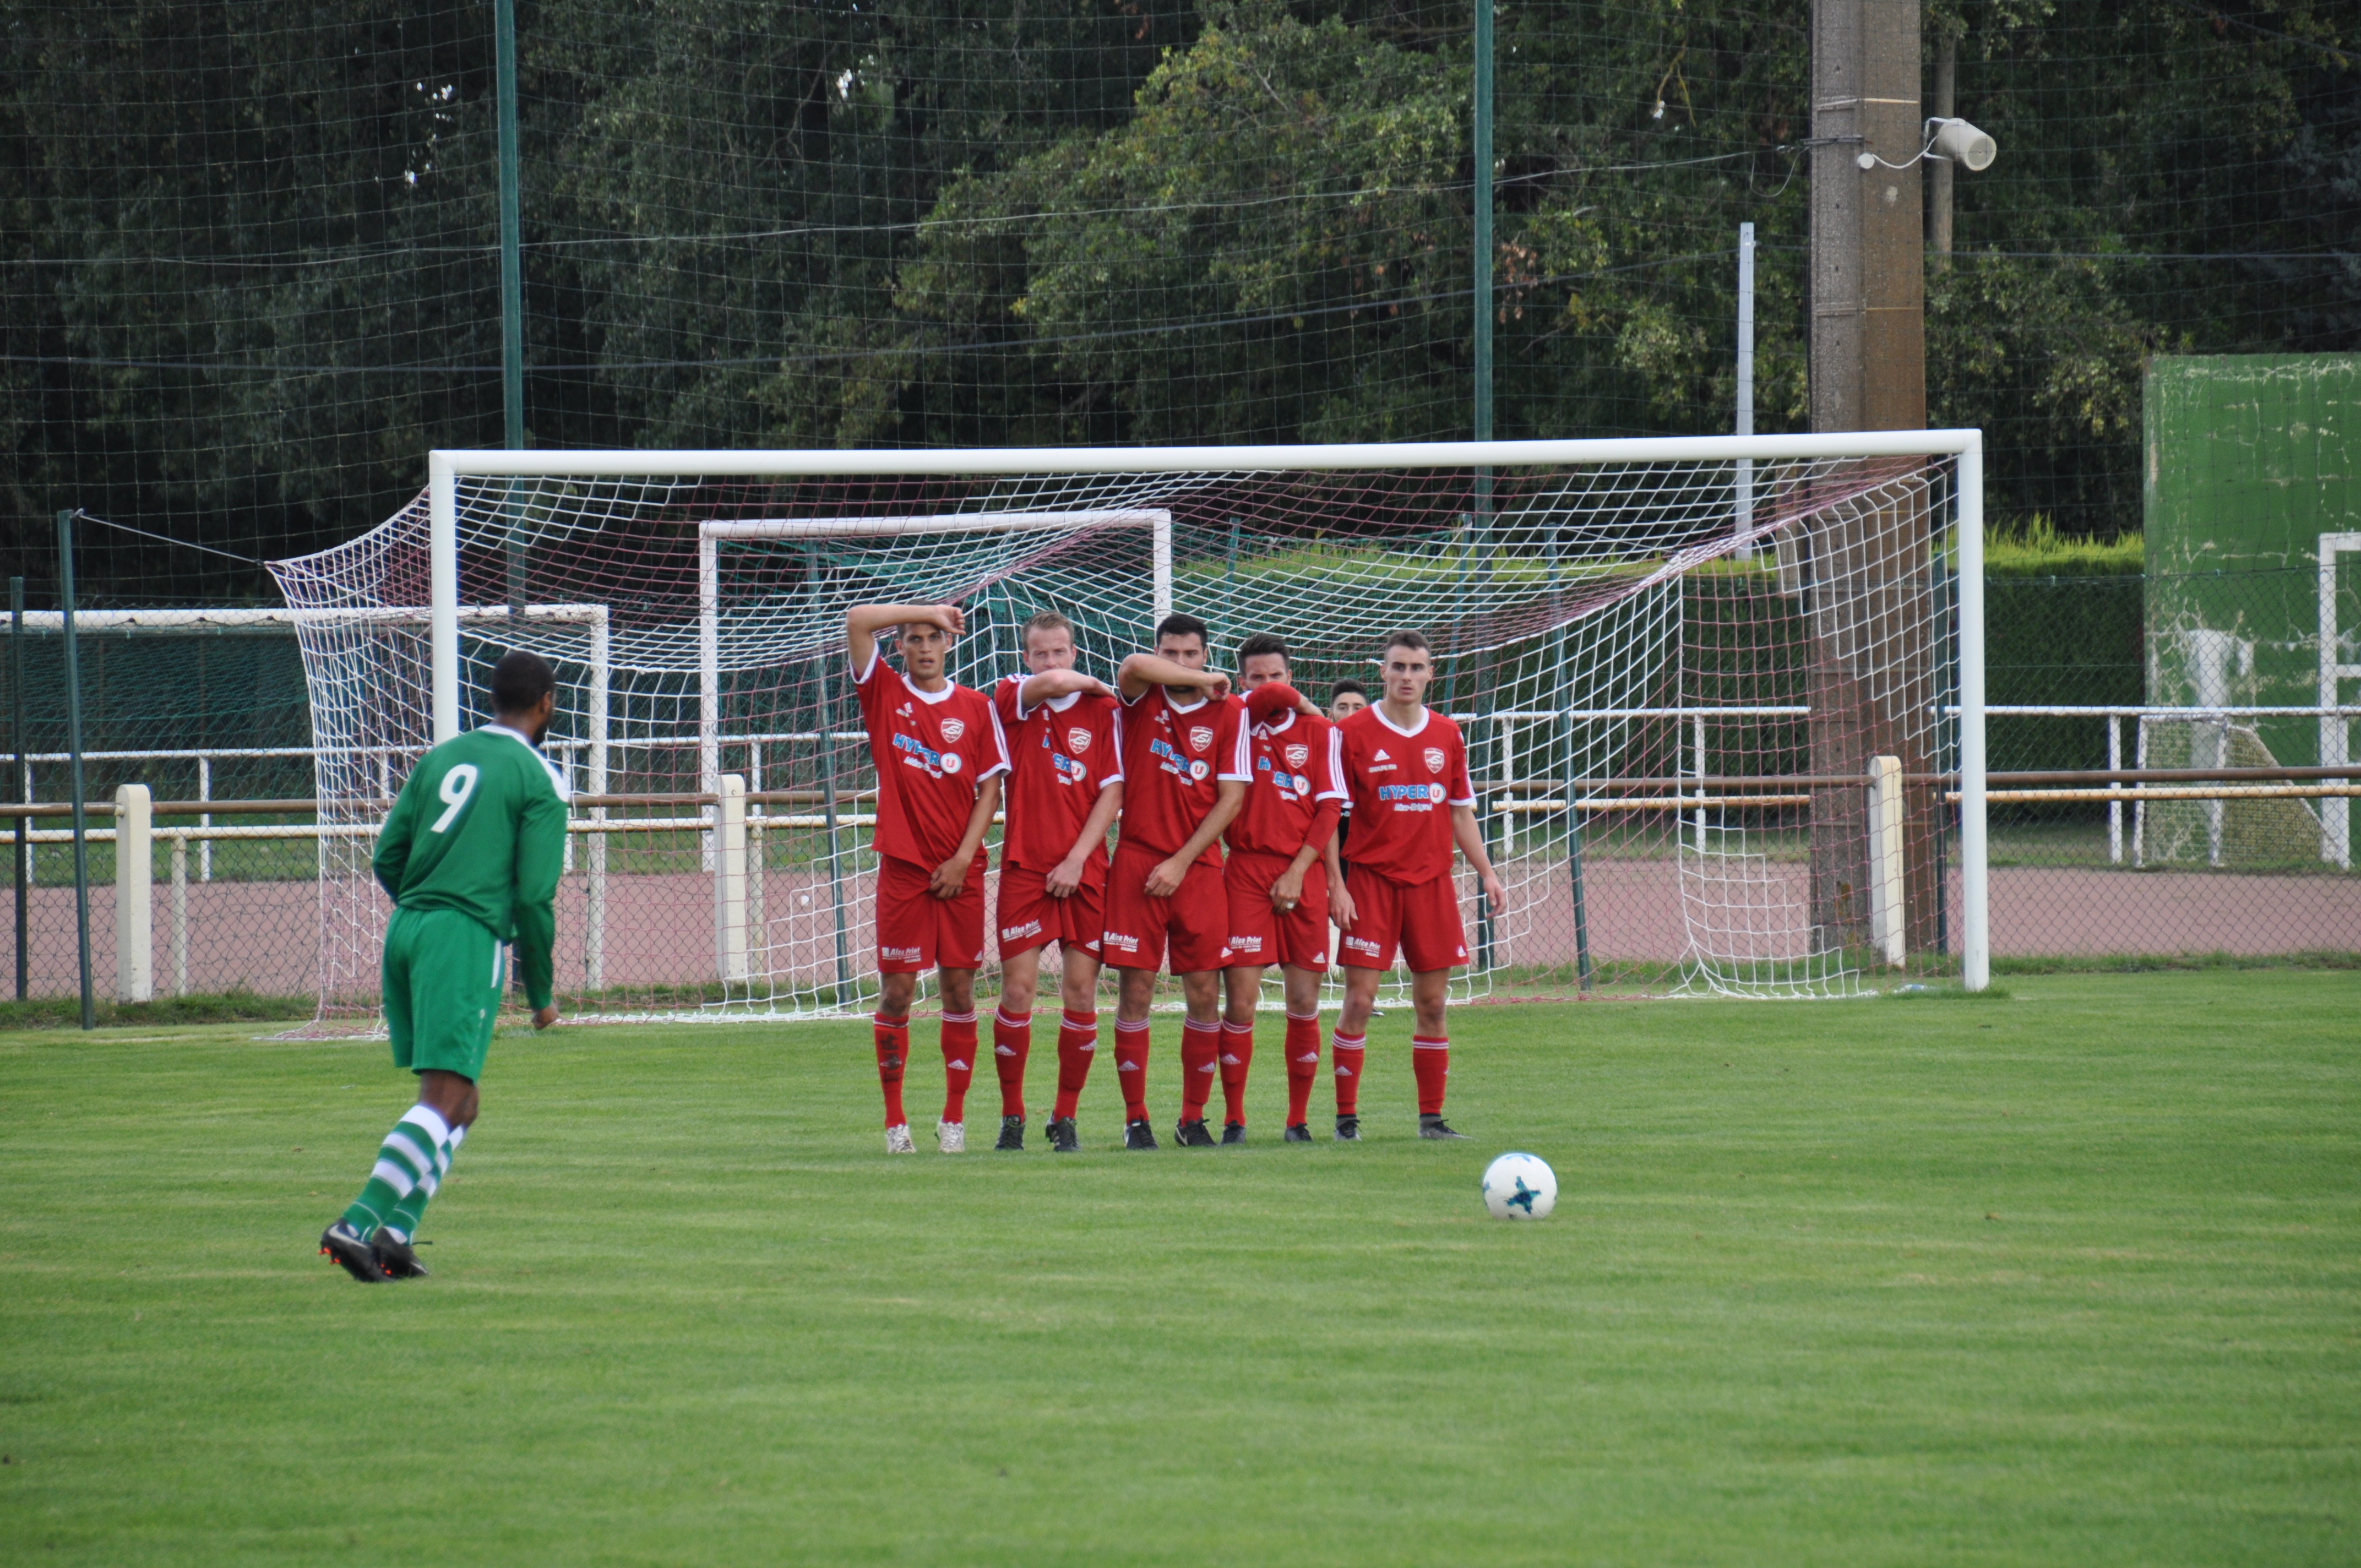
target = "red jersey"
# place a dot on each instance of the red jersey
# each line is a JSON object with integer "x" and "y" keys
{"x": 1063, "y": 754}
{"x": 1403, "y": 784}
{"x": 933, "y": 751}
{"x": 1174, "y": 758}
{"x": 1297, "y": 764}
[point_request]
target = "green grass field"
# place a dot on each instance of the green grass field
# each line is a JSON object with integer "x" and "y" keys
{"x": 2071, "y": 1276}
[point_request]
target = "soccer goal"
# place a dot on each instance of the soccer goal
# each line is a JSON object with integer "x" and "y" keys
{"x": 1723, "y": 696}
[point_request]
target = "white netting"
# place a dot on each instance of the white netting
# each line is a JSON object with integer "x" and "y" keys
{"x": 1670, "y": 714}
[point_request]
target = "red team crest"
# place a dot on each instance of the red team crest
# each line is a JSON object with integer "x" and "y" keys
{"x": 1078, "y": 741}
{"x": 1436, "y": 759}
{"x": 1200, "y": 736}
{"x": 952, "y": 729}
{"x": 1298, "y": 756}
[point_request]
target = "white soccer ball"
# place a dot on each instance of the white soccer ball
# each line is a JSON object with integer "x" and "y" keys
{"x": 1519, "y": 1187}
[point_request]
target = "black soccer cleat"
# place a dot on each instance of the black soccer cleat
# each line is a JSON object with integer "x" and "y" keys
{"x": 1012, "y": 1135}
{"x": 344, "y": 1243}
{"x": 1138, "y": 1135}
{"x": 393, "y": 1255}
{"x": 1431, "y": 1124}
{"x": 1193, "y": 1134}
{"x": 1233, "y": 1134}
{"x": 1297, "y": 1132}
{"x": 1063, "y": 1139}
{"x": 1348, "y": 1129}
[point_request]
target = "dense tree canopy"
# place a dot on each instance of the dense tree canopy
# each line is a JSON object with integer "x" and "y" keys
{"x": 251, "y": 275}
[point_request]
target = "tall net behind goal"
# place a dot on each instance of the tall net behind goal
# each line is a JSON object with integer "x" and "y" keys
{"x": 1711, "y": 707}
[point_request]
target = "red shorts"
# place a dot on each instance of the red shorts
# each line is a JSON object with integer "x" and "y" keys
{"x": 1261, "y": 935}
{"x": 918, "y": 931}
{"x": 1188, "y": 927}
{"x": 1030, "y": 917}
{"x": 1420, "y": 918}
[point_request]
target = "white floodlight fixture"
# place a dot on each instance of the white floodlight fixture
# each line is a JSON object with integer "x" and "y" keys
{"x": 1962, "y": 144}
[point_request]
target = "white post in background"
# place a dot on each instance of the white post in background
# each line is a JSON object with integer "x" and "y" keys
{"x": 1699, "y": 770}
{"x": 443, "y": 574}
{"x": 2115, "y": 808}
{"x": 1161, "y": 533}
{"x": 135, "y": 872}
{"x": 730, "y": 883}
{"x": 180, "y": 913}
{"x": 601, "y": 681}
{"x": 1744, "y": 507}
{"x": 708, "y": 676}
{"x": 1975, "y": 906}
{"x": 2335, "y": 728}
{"x": 758, "y": 938}
{"x": 205, "y": 791}
{"x": 1886, "y": 858}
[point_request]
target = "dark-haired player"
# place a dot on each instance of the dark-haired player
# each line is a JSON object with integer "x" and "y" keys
{"x": 470, "y": 855}
{"x": 1345, "y": 698}
{"x": 1406, "y": 766}
{"x": 1185, "y": 771}
{"x": 939, "y": 754}
{"x": 1065, "y": 786}
{"x": 1281, "y": 877}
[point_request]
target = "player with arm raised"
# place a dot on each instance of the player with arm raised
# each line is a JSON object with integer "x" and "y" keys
{"x": 470, "y": 855}
{"x": 1406, "y": 766}
{"x": 1065, "y": 786}
{"x": 1185, "y": 771}
{"x": 1280, "y": 879}
{"x": 939, "y": 754}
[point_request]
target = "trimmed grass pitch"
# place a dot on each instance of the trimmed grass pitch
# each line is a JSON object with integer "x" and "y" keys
{"x": 2068, "y": 1275}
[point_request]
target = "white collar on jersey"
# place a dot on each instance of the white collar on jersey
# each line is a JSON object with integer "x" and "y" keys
{"x": 930, "y": 698}
{"x": 1192, "y": 708}
{"x": 1270, "y": 729}
{"x": 1060, "y": 703}
{"x": 556, "y": 774}
{"x": 1424, "y": 713}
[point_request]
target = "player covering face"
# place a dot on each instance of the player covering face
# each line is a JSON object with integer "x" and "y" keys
{"x": 939, "y": 755}
{"x": 1281, "y": 880}
{"x": 471, "y": 855}
{"x": 1185, "y": 772}
{"x": 1414, "y": 801}
{"x": 1064, "y": 788}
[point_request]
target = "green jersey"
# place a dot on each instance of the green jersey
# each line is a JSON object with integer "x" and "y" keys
{"x": 480, "y": 827}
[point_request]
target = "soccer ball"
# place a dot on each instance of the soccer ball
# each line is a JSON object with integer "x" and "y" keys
{"x": 1519, "y": 1187}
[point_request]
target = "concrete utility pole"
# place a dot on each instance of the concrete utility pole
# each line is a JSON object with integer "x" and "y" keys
{"x": 1868, "y": 571}
{"x": 1939, "y": 169}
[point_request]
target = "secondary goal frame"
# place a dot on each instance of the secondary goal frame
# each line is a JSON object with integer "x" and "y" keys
{"x": 1965, "y": 446}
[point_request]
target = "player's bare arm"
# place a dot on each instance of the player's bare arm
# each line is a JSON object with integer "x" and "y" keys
{"x": 951, "y": 877}
{"x": 1229, "y": 797}
{"x": 862, "y": 622}
{"x": 1051, "y": 684}
{"x": 1340, "y": 900}
{"x": 1470, "y": 840}
{"x": 1068, "y": 876}
{"x": 1142, "y": 670}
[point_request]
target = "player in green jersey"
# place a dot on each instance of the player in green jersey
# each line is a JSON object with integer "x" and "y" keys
{"x": 470, "y": 854}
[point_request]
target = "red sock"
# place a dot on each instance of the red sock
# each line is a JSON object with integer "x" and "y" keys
{"x": 1131, "y": 1067}
{"x": 1200, "y": 1061}
{"x": 1430, "y": 1061}
{"x": 1077, "y": 1045}
{"x": 1237, "y": 1055}
{"x": 891, "y": 1037}
{"x": 958, "y": 1063}
{"x": 1302, "y": 1066}
{"x": 1012, "y": 1042}
{"x": 1347, "y": 1050}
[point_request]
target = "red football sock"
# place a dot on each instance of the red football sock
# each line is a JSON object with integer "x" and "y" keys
{"x": 1302, "y": 1066}
{"x": 1201, "y": 1053}
{"x": 1237, "y": 1055}
{"x": 891, "y": 1037}
{"x": 958, "y": 1063}
{"x": 1131, "y": 1067}
{"x": 1078, "y": 1046}
{"x": 1012, "y": 1042}
{"x": 1430, "y": 1061}
{"x": 1347, "y": 1050}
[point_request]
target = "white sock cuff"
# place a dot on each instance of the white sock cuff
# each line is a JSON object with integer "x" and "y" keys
{"x": 1428, "y": 1043}
{"x": 1310, "y": 1018}
{"x": 1131, "y": 1027}
{"x": 1080, "y": 1021}
{"x": 1345, "y": 1042}
{"x": 901, "y": 1023}
{"x": 959, "y": 1017}
{"x": 1230, "y": 1029}
{"x": 428, "y": 1120}
{"x": 1013, "y": 1020}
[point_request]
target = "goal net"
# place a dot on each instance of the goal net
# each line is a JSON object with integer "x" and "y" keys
{"x": 1712, "y": 688}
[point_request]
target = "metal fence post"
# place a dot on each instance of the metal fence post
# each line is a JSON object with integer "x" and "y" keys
{"x": 135, "y": 876}
{"x": 23, "y": 778}
{"x": 74, "y": 755}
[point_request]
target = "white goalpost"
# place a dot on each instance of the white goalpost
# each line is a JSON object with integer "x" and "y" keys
{"x": 1725, "y": 694}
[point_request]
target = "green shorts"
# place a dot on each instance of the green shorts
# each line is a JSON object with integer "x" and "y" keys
{"x": 444, "y": 975}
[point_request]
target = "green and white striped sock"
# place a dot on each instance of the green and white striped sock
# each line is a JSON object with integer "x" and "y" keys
{"x": 404, "y": 1220}
{"x": 409, "y": 1152}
